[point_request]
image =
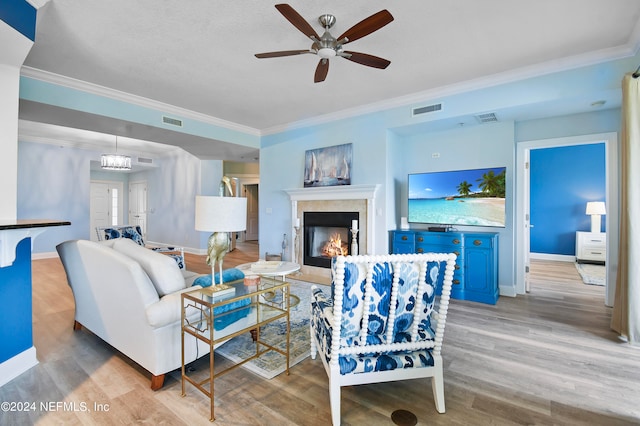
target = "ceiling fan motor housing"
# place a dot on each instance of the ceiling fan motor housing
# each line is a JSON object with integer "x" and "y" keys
{"x": 327, "y": 46}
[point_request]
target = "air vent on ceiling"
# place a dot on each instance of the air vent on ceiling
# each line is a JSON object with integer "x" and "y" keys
{"x": 145, "y": 160}
{"x": 489, "y": 117}
{"x": 172, "y": 121}
{"x": 426, "y": 109}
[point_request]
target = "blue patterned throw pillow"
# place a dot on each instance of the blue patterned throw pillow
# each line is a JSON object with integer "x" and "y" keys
{"x": 111, "y": 234}
{"x": 134, "y": 234}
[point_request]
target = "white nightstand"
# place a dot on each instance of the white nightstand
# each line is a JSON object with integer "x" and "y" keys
{"x": 591, "y": 246}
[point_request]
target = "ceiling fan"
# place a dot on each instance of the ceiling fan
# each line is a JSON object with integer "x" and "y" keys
{"x": 328, "y": 46}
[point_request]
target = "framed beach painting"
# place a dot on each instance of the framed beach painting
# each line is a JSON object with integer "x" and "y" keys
{"x": 329, "y": 166}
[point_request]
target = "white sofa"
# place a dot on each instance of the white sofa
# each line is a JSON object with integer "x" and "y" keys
{"x": 129, "y": 296}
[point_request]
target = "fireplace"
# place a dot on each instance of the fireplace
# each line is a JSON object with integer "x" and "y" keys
{"x": 352, "y": 199}
{"x": 326, "y": 234}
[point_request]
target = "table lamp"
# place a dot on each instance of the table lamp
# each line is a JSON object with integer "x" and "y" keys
{"x": 596, "y": 209}
{"x": 220, "y": 215}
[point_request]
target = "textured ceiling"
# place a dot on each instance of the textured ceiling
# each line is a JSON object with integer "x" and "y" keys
{"x": 199, "y": 54}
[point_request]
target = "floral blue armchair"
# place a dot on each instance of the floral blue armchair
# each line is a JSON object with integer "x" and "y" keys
{"x": 135, "y": 233}
{"x": 380, "y": 324}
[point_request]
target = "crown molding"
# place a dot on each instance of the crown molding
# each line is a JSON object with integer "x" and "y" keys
{"x": 520, "y": 74}
{"x": 94, "y": 89}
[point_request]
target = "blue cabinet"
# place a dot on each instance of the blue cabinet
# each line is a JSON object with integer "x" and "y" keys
{"x": 476, "y": 275}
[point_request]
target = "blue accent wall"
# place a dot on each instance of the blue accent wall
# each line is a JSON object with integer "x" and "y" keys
{"x": 16, "y": 332}
{"x": 21, "y": 16}
{"x": 563, "y": 180}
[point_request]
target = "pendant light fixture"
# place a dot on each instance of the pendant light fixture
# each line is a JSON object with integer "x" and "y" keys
{"x": 115, "y": 161}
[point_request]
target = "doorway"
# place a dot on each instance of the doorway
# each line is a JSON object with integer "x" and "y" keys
{"x": 138, "y": 205}
{"x": 250, "y": 191}
{"x": 105, "y": 205}
{"x": 523, "y": 224}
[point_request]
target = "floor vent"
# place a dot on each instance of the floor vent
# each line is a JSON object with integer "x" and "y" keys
{"x": 426, "y": 109}
{"x": 489, "y": 117}
{"x": 172, "y": 121}
{"x": 145, "y": 160}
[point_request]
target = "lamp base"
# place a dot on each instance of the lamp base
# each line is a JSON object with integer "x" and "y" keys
{"x": 595, "y": 224}
{"x": 217, "y": 248}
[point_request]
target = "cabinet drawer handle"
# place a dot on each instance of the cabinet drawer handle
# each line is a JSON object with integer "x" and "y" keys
{"x": 456, "y": 281}
{"x": 456, "y": 267}
{"x": 420, "y": 239}
{"x": 457, "y": 253}
{"x": 404, "y": 238}
{"x": 420, "y": 250}
{"x": 456, "y": 241}
{"x": 477, "y": 242}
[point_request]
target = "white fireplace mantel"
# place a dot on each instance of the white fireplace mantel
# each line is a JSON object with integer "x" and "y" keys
{"x": 346, "y": 192}
{"x": 330, "y": 193}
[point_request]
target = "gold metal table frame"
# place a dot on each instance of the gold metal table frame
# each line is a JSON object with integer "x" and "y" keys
{"x": 269, "y": 302}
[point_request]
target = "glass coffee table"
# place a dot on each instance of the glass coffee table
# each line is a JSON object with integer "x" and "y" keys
{"x": 215, "y": 315}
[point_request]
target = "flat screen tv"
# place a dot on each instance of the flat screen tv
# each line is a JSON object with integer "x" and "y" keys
{"x": 459, "y": 197}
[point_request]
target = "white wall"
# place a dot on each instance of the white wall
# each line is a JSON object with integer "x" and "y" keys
{"x": 487, "y": 145}
{"x": 282, "y": 167}
{"x": 54, "y": 182}
{"x": 15, "y": 48}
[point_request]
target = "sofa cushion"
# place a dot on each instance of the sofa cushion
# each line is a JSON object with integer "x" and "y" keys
{"x": 162, "y": 270}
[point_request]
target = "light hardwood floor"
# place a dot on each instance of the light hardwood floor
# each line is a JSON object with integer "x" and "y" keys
{"x": 545, "y": 358}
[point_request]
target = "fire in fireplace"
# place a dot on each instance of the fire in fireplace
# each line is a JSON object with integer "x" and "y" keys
{"x": 326, "y": 235}
{"x": 335, "y": 246}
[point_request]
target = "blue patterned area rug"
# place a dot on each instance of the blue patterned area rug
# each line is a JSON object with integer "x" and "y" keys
{"x": 591, "y": 274}
{"x": 271, "y": 363}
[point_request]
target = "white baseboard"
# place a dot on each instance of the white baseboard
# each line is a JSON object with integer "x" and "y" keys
{"x": 13, "y": 367}
{"x": 47, "y": 255}
{"x": 508, "y": 291}
{"x": 556, "y": 257}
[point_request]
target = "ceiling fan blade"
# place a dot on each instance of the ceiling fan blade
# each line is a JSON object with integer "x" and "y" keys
{"x": 281, "y": 53}
{"x": 298, "y": 21}
{"x": 368, "y": 60}
{"x": 321, "y": 71}
{"x": 367, "y": 26}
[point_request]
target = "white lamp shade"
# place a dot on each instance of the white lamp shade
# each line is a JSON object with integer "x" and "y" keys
{"x": 596, "y": 207}
{"x": 221, "y": 214}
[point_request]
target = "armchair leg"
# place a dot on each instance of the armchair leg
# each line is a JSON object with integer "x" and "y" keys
{"x": 334, "y": 400}
{"x": 313, "y": 350}
{"x": 77, "y": 326}
{"x": 157, "y": 382}
{"x": 437, "y": 384}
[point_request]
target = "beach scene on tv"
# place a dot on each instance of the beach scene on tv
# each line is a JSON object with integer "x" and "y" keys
{"x": 462, "y": 197}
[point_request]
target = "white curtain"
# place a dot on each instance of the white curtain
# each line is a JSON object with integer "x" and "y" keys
{"x": 626, "y": 308}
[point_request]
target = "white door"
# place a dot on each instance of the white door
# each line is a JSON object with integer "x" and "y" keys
{"x": 526, "y": 235}
{"x": 105, "y": 206}
{"x": 251, "y": 192}
{"x": 138, "y": 205}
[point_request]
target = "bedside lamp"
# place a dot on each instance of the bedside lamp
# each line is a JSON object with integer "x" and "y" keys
{"x": 595, "y": 209}
{"x": 220, "y": 215}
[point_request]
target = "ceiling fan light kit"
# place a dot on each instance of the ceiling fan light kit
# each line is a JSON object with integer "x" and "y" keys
{"x": 327, "y": 46}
